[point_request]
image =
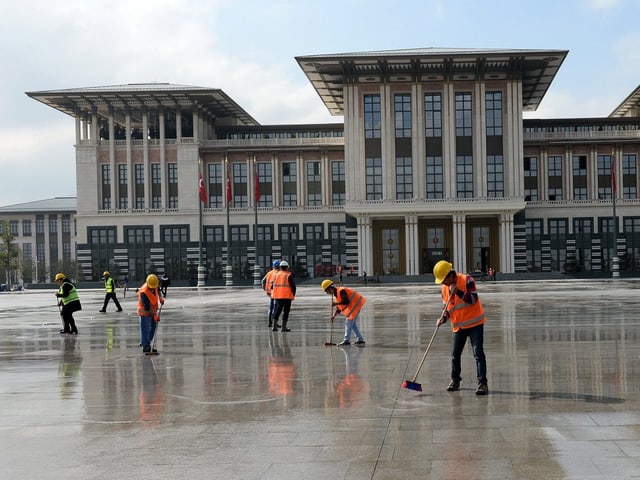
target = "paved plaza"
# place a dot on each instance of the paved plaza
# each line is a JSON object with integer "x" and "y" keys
{"x": 229, "y": 399}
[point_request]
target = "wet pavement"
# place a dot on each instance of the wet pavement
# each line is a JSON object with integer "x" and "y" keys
{"x": 229, "y": 399}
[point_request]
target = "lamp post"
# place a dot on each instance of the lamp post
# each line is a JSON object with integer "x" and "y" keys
{"x": 615, "y": 261}
{"x": 201, "y": 269}
{"x": 256, "y": 199}
{"x": 228, "y": 267}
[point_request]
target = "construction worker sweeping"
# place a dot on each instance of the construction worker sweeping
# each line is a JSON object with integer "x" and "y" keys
{"x": 149, "y": 299}
{"x": 467, "y": 321}
{"x": 349, "y": 303}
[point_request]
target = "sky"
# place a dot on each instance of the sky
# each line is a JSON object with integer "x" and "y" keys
{"x": 247, "y": 48}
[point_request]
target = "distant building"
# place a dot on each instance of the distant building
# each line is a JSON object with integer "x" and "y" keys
{"x": 433, "y": 161}
{"x": 45, "y": 233}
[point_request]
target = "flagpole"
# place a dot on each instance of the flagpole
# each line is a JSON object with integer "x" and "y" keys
{"x": 256, "y": 199}
{"x": 201, "y": 271}
{"x": 229, "y": 268}
{"x": 615, "y": 261}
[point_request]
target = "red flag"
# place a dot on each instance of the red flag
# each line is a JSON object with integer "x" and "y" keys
{"x": 203, "y": 193}
{"x": 257, "y": 188}
{"x": 229, "y": 194}
{"x": 613, "y": 176}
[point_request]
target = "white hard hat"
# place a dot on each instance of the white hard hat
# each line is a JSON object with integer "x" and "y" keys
{"x": 284, "y": 263}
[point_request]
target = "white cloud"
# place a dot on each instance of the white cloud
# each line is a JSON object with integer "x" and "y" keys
{"x": 604, "y": 4}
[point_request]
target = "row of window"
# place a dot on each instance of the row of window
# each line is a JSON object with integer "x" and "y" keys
{"x": 580, "y": 226}
{"x": 606, "y": 177}
{"x": 143, "y": 235}
{"x": 27, "y": 225}
{"x": 433, "y": 115}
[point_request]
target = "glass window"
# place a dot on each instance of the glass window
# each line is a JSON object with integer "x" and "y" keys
{"x": 240, "y": 176}
{"x": 156, "y": 186}
{"x": 463, "y": 115}
{"x": 338, "y": 195}
{"x": 265, "y": 177}
{"x": 172, "y": 176}
{"x": 555, "y": 177}
{"x": 314, "y": 184}
{"x": 289, "y": 184}
{"x": 433, "y": 115}
{"x": 435, "y": 180}
{"x": 26, "y": 228}
{"x": 464, "y": 176}
{"x": 495, "y": 176}
{"x": 372, "y": 116}
{"x": 373, "y": 175}
{"x": 530, "y": 179}
{"x": 123, "y": 200}
{"x": 493, "y": 110}
{"x": 402, "y": 112}
{"x": 629, "y": 175}
{"x": 404, "y": 178}
{"x": 214, "y": 181}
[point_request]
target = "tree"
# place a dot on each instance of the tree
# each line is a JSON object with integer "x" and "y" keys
{"x": 9, "y": 254}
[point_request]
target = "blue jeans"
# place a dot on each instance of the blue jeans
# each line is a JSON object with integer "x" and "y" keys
{"x": 351, "y": 327}
{"x": 147, "y": 330}
{"x": 458, "y": 341}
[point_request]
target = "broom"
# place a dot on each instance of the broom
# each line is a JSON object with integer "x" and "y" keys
{"x": 412, "y": 384}
{"x": 330, "y": 342}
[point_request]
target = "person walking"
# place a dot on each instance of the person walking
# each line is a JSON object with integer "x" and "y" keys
{"x": 349, "y": 303}
{"x": 283, "y": 292}
{"x": 149, "y": 299}
{"x": 164, "y": 284}
{"x": 267, "y": 287}
{"x": 69, "y": 300}
{"x": 467, "y": 321}
{"x": 110, "y": 287}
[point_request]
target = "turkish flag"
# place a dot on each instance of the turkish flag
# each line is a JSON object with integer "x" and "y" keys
{"x": 229, "y": 194}
{"x": 203, "y": 192}
{"x": 613, "y": 176}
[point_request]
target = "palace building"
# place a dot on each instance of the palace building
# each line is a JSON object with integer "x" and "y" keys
{"x": 434, "y": 160}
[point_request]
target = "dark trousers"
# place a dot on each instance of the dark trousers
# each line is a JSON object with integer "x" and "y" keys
{"x": 111, "y": 295}
{"x": 69, "y": 324}
{"x": 283, "y": 306}
{"x": 458, "y": 341}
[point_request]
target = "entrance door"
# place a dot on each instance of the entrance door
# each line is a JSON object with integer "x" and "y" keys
{"x": 389, "y": 249}
{"x": 482, "y": 246}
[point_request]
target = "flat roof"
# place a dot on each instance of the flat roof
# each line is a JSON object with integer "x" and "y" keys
{"x": 329, "y": 73}
{"x": 143, "y": 95}
{"x": 56, "y": 204}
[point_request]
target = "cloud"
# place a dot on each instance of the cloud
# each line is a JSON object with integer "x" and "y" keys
{"x": 604, "y": 4}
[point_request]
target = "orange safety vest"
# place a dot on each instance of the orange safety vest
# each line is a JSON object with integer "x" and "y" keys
{"x": 268, "y": 279}
{"x": 281, "y": 288}
{"x": 152, "y": 295}
{"x": 463, "y": 315}
{"x": 356, "y": 302}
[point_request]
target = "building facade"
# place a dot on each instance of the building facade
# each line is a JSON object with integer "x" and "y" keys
{"x": 434, "y": 160}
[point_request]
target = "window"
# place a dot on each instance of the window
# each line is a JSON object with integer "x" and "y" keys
{"x": 14, "y": 227}
{"x": 605, "y": 185}
{"x": 404, "y": 178}
{"x": 172, "y": 175}
{"x": 493, "y": 111}
{"x": 338, "y": 196}
{"x": 435, "y": 180}
{"x": 372, "y": 116}
{"x": 142, "y": 235}
{"x": 240, "y": 176}
{"x": 314, "y": 184}
{"x": 288, "y": 232}
{"x": 289, "y": 184}
{"x": 265, "y": 233}
{"x": 174, "y": 234}
{"x": 433, "y": 115}
{"x": 66, "y": 224}
{"x": 214, "y": 181}
{"x": 156, "y": 186}
{"x": 106, "y": 187}
{"x": 463, "y": 115}
{"x": 579, "y": 173}
{"x": 239, "y": 233}
{"x": 26, "y": 228}
{"x": 214, "y": 234}
{"x": 139, "y": 188}
{"x": 464, "y": 176}
{"x": 629, "y": 175}
{"x": 555, "y": 177}
{"x": 495, "y": 176}
{"x": 265, "y": 177}
{"x": 53, "y": 224}
{"x": 530, "y": 179}
{"x": 402, "y": 112}
{"x": 101, "y": 235}
{"x": 123, "y": 200}
{"x": 373, "y": 178}
{"x": 39, "y": 225}
{"x": 313, "y": 231}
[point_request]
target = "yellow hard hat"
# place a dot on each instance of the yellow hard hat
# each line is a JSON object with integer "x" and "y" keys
{"x": 326, "y": 284}
{"x": 60, "y": 276}
{"x": 105, "y": 273}
{"x": 152, "y": 281}
{"x": 441, "y": 270}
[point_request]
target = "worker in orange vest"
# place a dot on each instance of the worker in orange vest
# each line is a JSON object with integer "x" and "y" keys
{"x": 267, "y": 286}
{"x": 467, "y": 321}
{"x": 283, "y": 291}
{"x": 349, "y": 303}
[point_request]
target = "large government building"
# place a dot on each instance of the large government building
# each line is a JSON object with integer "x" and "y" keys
{"x": 434, "y": 160}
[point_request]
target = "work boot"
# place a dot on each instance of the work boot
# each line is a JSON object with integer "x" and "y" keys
{"x": 482, "y": 389}
{"x": 453, "y": 386}
{"x": 275, "y": 327}
{"x": 284, "y": 326}
{"x": 270, "y": 321}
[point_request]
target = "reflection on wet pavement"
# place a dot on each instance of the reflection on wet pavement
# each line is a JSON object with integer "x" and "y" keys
{"x": 228, "y": 398}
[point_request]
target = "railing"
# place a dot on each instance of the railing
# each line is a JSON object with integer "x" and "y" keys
{"x": 586, "y": 135}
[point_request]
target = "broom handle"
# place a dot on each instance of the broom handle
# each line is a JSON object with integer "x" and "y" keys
{"x": 424, "y": 357}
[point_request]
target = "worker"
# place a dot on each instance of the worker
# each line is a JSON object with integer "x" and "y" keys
{"x": 110, "y": 287}
{"x": 349, "y": 303}
{"x": 266, "y": 286}
{"x": 467, "y": 321}
{"x": 149, "y": 299}
{"x": 283, "y": 291}
{"x": 68, "y": 299}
